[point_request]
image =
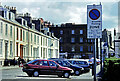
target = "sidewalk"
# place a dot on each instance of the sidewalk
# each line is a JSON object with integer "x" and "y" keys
{"x": 9, "y": 67}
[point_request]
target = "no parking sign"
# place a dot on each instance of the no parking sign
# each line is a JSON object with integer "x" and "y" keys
{"x": 94, "y": 21}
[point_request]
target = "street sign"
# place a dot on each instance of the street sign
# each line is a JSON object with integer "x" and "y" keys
{"x": 94, "y": 21}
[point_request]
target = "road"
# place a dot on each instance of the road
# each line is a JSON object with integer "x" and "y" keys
{"x": 17, "y": 73}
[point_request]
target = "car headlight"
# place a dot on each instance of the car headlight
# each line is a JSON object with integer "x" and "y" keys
{"x": 82, "y": 69}
{"x": 72, "y": 71}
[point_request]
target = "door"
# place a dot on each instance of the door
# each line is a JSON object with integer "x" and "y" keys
{"x": 53, "y": 68}
{"x": 44, "y": 67}
{"x": 21, "y": 51}
{"x": 6, "y": 49}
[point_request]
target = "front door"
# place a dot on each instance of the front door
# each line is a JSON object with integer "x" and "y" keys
{"x": 6, "y": 49}
{"x": 21, "y": 51}
{"x": 44, "y": 67}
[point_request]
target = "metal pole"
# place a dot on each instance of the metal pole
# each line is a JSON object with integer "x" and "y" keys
{"x": 95, "y": 61}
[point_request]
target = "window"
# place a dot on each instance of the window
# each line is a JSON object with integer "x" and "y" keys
{"x": 51, "y": 63}
{"x": 61, "y": 48}
{"x": 26, "y": 35}
{"x": 1, "y": 44}
{"x": 11, "y": 48}
{"x": 43, "y": 63}
{"x": 81, "y": 31}
{"x": 91, "y": 40}
{"x": 6, "y": 30}
{"x": 34, "y": 38}
{"x": 61, "y": 31}
{"x": 38, "y": 39}
{"x": 31, "y": 37}
{"x": 1, "y": 27}
{"x": 81, "y": 39}
{"x": 23, "y": 35}
{"x": 31, "y": 50}
{"x": 72, "y": 40}
{"x": 88, "y": 40}
{"x": 41, "y": 41}
{"x": 20, "y": 34}
{"x": 88, "y": 48}
{"x": 17, "y": 34}
{"x": 81, "y": 48}
{"x": 11, "y": 31}
{"x": 73, "y": 32}
{"x": 73, "y": 48}
{"x": 61, "y": 39}
{"x": 91, "y": 48}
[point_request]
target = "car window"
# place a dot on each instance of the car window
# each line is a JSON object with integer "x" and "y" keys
{"x": 35, "y": 63}
{"x": 74, "y": 62}
{"x": 59, "y": 62}
{"x": 43, "y": 63}
{"x": 31, "y": 61}
{"x": 51, "y": 63}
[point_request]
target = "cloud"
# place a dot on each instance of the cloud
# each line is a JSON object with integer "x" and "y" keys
{"x": 60, "y": 0}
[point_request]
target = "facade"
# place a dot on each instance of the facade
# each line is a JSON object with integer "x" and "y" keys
{"x": 17, "y": 39}
{"x": 73, "y": 40}
{"x": 117, "y": 45}
{"x": 106, "y": 43}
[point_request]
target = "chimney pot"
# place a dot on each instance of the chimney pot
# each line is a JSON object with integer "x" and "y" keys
{"x": 12, "y": 8}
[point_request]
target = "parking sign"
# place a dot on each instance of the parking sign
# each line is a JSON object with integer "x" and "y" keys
{"x": 94, "y": 21}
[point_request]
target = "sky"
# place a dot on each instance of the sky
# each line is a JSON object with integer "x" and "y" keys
{"x": 64, "y": 11}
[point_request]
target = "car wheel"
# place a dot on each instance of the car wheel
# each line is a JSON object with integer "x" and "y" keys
{"x": 77, "y": 72}
{"x": 59, "y": 75}
{"x": 66, "y": 75}
{"x": 35, "y": 74}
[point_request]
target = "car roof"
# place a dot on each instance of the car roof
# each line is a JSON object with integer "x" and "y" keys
{"x": 79, "y": 60}
{"x": 42, "y": 60}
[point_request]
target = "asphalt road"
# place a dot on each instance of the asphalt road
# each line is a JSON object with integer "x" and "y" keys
{"x": 16, "y": 73}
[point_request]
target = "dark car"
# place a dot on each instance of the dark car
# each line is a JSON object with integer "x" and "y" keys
{"x": 63, "y": 62}
{"x": 46, "y": 67}
{"x": 82, "y": 63}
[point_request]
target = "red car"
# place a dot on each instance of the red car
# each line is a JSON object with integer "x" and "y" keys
{"x": 46, "y": 67}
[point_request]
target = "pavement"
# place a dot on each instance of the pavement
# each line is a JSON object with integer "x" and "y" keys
{"x": 9, "y": 67}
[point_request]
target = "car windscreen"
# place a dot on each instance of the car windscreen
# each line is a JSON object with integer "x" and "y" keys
{"x": 66, "y": 63}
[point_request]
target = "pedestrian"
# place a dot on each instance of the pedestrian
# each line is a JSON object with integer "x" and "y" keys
{"x": 19, "y": 59}
{"x": 14, "y": 61}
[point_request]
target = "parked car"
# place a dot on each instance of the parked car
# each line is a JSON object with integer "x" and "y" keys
{"x": 81, "y": 62}
{"x": 91, "y": 62}
{"x": 46, "y": 67}
{"x": 63, "y": 62}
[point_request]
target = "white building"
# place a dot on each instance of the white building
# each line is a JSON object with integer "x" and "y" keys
{"x": 19, "y": 40}
{"x": 117, "y": 45}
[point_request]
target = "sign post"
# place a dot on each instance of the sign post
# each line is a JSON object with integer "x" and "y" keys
{"x": 94, "y": 27}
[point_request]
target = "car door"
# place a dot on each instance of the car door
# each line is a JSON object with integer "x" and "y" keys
{"x": 53, "y": 67}
{"x": 44, "y": 67}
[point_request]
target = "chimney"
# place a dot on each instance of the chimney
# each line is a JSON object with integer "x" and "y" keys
{"x": 13, "y": 9}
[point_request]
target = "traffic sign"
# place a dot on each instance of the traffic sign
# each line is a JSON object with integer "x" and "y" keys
{"x": 94, "y": 14}
{"x": 94, "y": 21}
